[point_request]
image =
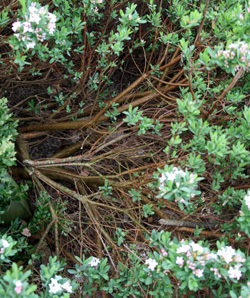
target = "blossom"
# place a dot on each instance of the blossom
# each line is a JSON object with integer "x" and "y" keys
{"x": 34, "y": 17}
{"x": 239, "y": 259}
{"x": 211, "y": 256}
{"x": 191, "y": 178}
{"x": 234, "y": 272}
{"x": 151, "y": 264}
{"x": 30, "y": 45}
{"x": 67, "y": 287}
{"x": 227, "y": 253}
{"x": 164, "y": 253}
{"x": 54, "y": 286}
{"x": 179, "y": 172}
{"x": 183, "y": 249}
{"x": 5, "y": 243}
{"x": 247, "y": 200}
{"x": 198, "y": 272}
{"x": 196, "y": 247}
{"x": 52, "y": 17}
{"x": 32, "y": 8}
{"x": 180, "y": 261}
{"x": 216, "y": 272}
{"x": 94, "y": 262}
{"x": 19, "y": 287}
{"x": 16, "y": 26}
{"x": 27, "y": 27}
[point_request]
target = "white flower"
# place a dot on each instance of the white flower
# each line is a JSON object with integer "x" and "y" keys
{"x": 180, "y": 261}
{"x": 18, "y": 283}
{"x": 52, "y": 17}
{"x": 67, "y": 287}
{"x": 54, "y": 286}
{"x": 30, "y": 45}
{"x": 227, "y": 253}
{"x": 234, "y": 272}
{"x": 196, "y": 247}
{"x": 32, "y": 9}
{"x": 171, "y": 176}
{"x": 183, "y": 249}
{"x": 94, "y": 262}
{"x": 16, "y": 26}
{"x": 151, "y": 264}
{"x": 247, "y": 200}
{"x": 34, "y": 17}
{"x": 5, "y": 243}
{"x": 179, "y": 172}
{"x": 27, "y": 27}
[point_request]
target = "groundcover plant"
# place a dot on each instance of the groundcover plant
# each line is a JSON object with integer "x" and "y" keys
{"x": 125, "y": 138}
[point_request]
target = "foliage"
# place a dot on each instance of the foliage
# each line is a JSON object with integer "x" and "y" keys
{"x": 185, "y": 102}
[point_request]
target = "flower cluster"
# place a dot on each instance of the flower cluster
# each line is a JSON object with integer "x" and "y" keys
{"x": 200, "y": 259}
{"x": 235, "y": 50}
{"x": 151, "y": 263}
{"x": 36, "y": 26}
{"x": 178, "y": 185}
{"x": 55, "y": 286}
{"x": 193, "y": 263}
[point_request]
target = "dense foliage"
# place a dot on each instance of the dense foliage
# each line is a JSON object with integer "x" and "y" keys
{"x": 120, "y": 122}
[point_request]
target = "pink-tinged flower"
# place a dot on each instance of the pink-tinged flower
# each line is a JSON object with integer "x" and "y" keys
{"x": 234, "y": 272}
{"x": 216, "y": 272}
{"x": 67, "y": 287}
{"x": 16, "y": 26}
{"x": 239, "y": 259}
{"x": 18, "y": 287}
{"x": 164, "y": 253}
{"x": 191, "y": 178}
{"x": 180, "y": 261}
{"x": 151, "y": 263}
{"x": 227, "y": 253}
{"x": 248, "y": 9}
{"x": 198, "y": 272}
{"x": 241, "y": 16}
